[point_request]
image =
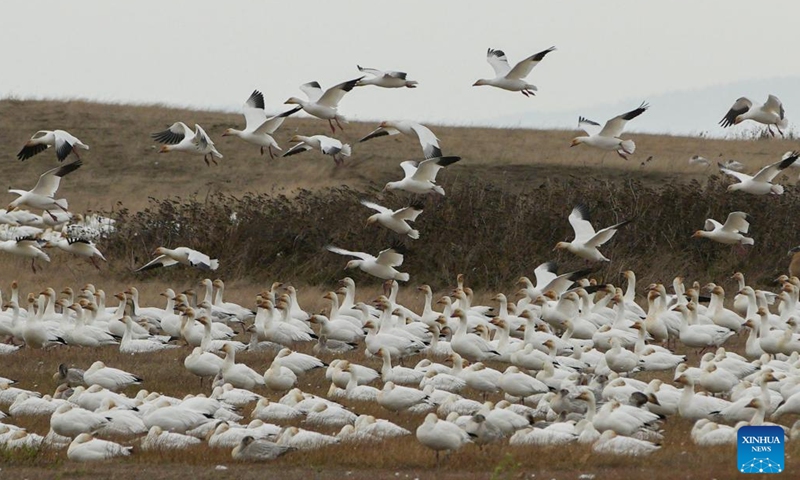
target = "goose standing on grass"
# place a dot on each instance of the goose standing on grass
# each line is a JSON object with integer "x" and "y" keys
{"x": 441, "y": 435}
{"x": 761, "y": 182}
{"x": 731, "y": 233}
{"x": 327, "y": 145}
{"x": 258, "y": 128}
{"x": 508, "y": 78}
{"x": 179, "y": 137}
{"x": 586, "y": 239}
{"x": 770, "y": 113}
{"x": 420, "y": 177}
{"x": 321, "y": 104}
{"x": 168, "y": 257}
{"x": 42, "y": 196}
{"x": 238, "y": 374}
{"x": 64, "y": 143}
{"x": 86, "y": 448}
{"x": 381, "y": 266}
{"x": 25, "y": 247}
{"x": 427, "y": 139}
{"x": 383, "y": 79}
{"x": 395, "y": 220}
{"x": 607, "y": 137}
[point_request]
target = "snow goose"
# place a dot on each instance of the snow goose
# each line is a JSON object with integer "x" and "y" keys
{"x": 381, "y": 266}
{"x": 699, "y": 160}
{"x": 42, "y": 196}
{"x": 279, "y": 378}
{"x": 441, "y": 435}
{"x": 110, "y": 378}
{"x": 131, "y": 345}
{"x": 695, "y": 407}
{"x": 158, "y": 439}
{"x": 86, "y": 448}
{"x": 518, "y": 384}
{"x": 770, "y": 113}
{"x": 321, "y": 104}
{"x": 327, "y": 145}
{"x": 730, "y": 233}
{"x": 611, "y": 443}
{"x": 548, "y": 278}
{"x": 305, "y": 439}
{"x": 586, "y": 239}
{"x": 420, "y": 177}
{"x": 238, "y": 397}
{"x": 167, "y": 257}
{"x": 77, "y": 246}
{"x": 388, "y": 79}
{"x": 121, "y": 421}
{"x": 258, "y": 450}
{"x": 238, "y": 374}
{"x": 608, "y": 137}
{"x": 64, "y": 143}
{"x": 761, "y": 182}
{"x": 179, "y": 137}
{"x": 700, "y": 336}
{"x": 398, "y": 374}
{"x": 28, "y": 247}
{"x": 427, "y": 139}
{"x": 395, "y": 398}
{"x": 470, "y": 346}
{"x": 70, "y": 421}
{"x": 330, "y": 416}
{"x": 174, "y": 418}
{"x": 241, "y": 312}
{"x": 395, "y": 220}
{"x": 258, "y": 128}
{"x": 619, "y": 359}
{"x": 299, "y": 363}
{"x": 508, "y": 78}
{"x": 203, "y": 364}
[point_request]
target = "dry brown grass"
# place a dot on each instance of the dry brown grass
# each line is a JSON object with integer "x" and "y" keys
{"x": 123, "y": 166}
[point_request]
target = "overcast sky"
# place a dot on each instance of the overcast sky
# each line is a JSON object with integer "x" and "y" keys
{"x": 212, "y": 54}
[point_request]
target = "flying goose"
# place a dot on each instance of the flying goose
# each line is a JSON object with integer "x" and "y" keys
{"x": 509, "y": 78}
{"x": 607, "y": 137}
{"x": 770, "y": 113}
{"x": 179, "y": 137}
{"x": 383, "y": 79}
{"x": 258, "y": 128}
{"x": 324, "y": 104}
{"x": 64, "y": 142}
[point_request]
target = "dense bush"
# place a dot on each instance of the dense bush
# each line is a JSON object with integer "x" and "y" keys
{"x": 492, "y": 235}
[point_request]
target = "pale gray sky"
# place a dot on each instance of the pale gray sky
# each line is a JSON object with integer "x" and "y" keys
{"x": 212, "y": 54}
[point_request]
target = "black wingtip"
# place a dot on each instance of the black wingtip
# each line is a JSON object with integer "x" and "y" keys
{"x": 445, "y": 161}
{"x": 398, "y": 247}
{"x": 417, "y": 205}
{"x": 583, "y": 210}
{"x": 551, "y": 266}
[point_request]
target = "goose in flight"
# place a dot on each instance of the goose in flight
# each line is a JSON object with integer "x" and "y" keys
{"x": 179, "y": 137}
{"x": 730, "y": 233}
{"x": 420, "y": 177}
{"x": 42, "y": 196}
{"x": 258, "y": 128}
{"x": 25, "y": 247}
{"x": 383, "y": 79}
{"x": 395, "y": 220}
{"x": 770, "y": 113}
{"x": 79, "y": 246}
{"x": 607, "y": 137}
{"x": 324, "y": 104}
{"x": 381, "y": 266}
{"x": 64, "y": 143}
{"x": 168, "y": 257}
{"x": 586, "y": 239}
{"x": 427, "y": 139}
{"x": 509, "y": 78}
{"x": 760, "y": 183}
{"x": 327, "y": 145}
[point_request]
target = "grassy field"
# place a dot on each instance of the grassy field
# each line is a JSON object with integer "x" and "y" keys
{"x": 123, "y": 170}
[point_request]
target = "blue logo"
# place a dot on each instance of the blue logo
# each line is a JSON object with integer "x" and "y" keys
{"x": 760, "y": 449}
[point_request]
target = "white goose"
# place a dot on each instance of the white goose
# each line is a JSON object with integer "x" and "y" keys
{"x": 111, "y": 378}
{"x": 608, "y": 137}
{"x": 610, "y": 442}
{"x": 427, "y": 139}
{"x": 324, "y": 105}
{"x": 508, "y": 78}
{"x": 730, "y": 233}
{"x": 441, "y": 435}
{"x": 382, "y": 266}
{"x": 158, "y": 439}
{"x": 86, "y": 448}
{"x": 27, "y": 247}
{"x": 761, "y": 182}
{"x": 420, "y": 177}
{"x": 179, "y": 137}
{"x": 238, "y": 374}
{"x": 167, "y": 257}
{"x": 42, "y": 196}
{"x": 258, "y": 128}
{"x": 327, "y": 145}
{"x": 64, "y": 143}
{"x": 395, "y": 220}
{"x": 388, "y": 79}
{"x": 769, "y": 113}
{"x": 586, "y": 239}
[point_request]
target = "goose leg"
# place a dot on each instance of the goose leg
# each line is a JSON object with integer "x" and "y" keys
{"x": 270, "y": 152}
{"x": 330, "y": 122}
{"x": 338, "y": 124}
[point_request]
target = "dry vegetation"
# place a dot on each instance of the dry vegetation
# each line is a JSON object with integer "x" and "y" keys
{"x": 505, "y": 209}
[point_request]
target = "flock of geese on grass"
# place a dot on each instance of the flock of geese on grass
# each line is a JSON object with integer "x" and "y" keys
{"x": 561, "y": 365}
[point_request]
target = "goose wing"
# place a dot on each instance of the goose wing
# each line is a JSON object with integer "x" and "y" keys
{"x": 739, "y": 107}
{"x": 497, "y": 59}
{"x": 174, "y": 134}
{"x": 614, "y": 127}
{"x": 50, "y": 180}
{"x": 524, "y": 67}
{"x": 334, "y": 95}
